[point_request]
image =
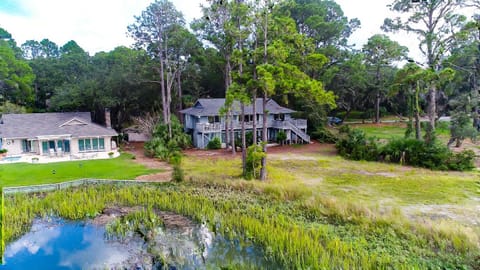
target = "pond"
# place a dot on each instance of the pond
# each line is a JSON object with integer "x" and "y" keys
{"x": 59, "y": 244}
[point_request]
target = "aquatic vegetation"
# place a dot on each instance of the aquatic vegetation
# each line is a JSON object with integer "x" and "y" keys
{"x": 297, "y": 234}
{"x": 144, "y": 222}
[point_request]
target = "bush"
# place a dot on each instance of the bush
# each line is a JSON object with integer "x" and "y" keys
{"x": 345, "y": 129}
{"x": 162, "y": 146}
{"x": 408, "y": 151}
{"x": 462, "y": 161}
{"x": 357, "y": 147}
{"x": 248, "y": 139}
{"x": 324, "y": 135}
{"x": 281, "y": 137}
{"x": 417, "y": 153}
{"x": 433, "y": 156}
{"x": 3, "y": 151}
{"x": 214, "y": 143}
{"x": 254, "y": 161}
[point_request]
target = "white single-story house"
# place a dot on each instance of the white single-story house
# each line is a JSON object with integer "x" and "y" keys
{"x": 68, "y": 135}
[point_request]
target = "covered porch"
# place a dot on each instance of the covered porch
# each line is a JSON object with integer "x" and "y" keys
{"x": 52, "y": 146}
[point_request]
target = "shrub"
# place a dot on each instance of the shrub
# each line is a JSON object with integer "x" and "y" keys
{"x": 324, "y": 135}
{"x": 354, "y": 145}
{"x": 3, "y": 151}
{"x": 176, "y": 161}
{"x": 214, "y": 143}
{"x": 248, "y": 139}
{"x": 254, "y": 161}
{"x": 281, "y": 137}
{"x": 345, "y": 129}
{"x": 462, "y": 161}
{"x": 433, "y": 156}
{"x": 162, "y": 146}
{"x": 417, "y": 153}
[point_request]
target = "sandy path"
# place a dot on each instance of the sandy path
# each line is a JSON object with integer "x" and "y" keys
{"x": 151, "y": 163}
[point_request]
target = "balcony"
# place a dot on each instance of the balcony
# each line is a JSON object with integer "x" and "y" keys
{"x": 280, "y": 124}
{"x": 209, "y": 127}
{"x": 284, "y": 124}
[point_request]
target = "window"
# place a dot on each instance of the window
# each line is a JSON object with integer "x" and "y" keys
{"x": 95, "y": 143}
{"x": 280, "y": 117}
{"x": 213, "y": 119}
{"x": 248, "y": 118}
{"x": 81, "y": 145}
{"x": 60, "y": 146}
{"x": 26, "y": 146}
{"x": 90, "y": 144}
{"x": 45, "y": 147}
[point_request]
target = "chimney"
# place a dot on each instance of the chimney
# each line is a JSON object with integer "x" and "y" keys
{"x": 108, "y": 121}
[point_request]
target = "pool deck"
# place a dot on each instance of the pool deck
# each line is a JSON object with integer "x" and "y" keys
{"x": 31, "y": 158}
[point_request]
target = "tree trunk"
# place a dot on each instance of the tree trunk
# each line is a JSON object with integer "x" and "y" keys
{"x": 254, "y": 112}
{"x": 432, "y": 106}
{"x": 162, "y": 89}
{"x": 263, "y": 171}
{"x": 180, "y": 96}
{"x": 377, "y": 107}
{"x": 244, "y": 141}
{"x": 233, "y": 132}
{"x": 417, "y": 114}
{"x": 227, "y": 133}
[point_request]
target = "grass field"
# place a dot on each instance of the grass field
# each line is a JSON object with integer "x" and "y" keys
{"x": 397, "y": 130}
{"x": 20, "y": 174}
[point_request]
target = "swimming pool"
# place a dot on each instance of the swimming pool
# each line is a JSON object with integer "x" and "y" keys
{"x": 11, "y": 159}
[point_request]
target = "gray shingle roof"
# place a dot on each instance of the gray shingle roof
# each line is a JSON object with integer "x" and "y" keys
{"x": 212, "y": 106}
{"x": 31, "y": 125}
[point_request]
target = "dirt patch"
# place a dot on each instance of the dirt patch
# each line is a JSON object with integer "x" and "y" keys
{"x": 312, "y": 181}
{"x": 152, "y": 163}
{"x": 467, "y": 215}
{"x": 175, "y": 221}
{"x": 171, "y": 220}
{"x": 312, "y": 148}
{"x": 111, "y": 213}
{"x": 384, "y": 174}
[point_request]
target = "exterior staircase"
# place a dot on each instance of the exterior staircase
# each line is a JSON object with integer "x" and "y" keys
{"x": 304, "y": 136}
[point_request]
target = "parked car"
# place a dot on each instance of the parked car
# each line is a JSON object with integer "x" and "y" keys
{"x": 332, "y": 120}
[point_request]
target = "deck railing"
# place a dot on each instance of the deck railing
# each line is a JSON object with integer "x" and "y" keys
{"x": 282, "y": 124}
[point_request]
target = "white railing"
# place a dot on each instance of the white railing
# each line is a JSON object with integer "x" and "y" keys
{"x": 283, "y": 124}
{"x": 210, "y": 127}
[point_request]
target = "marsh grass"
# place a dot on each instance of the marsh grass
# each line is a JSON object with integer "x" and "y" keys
{"x": 314, "y": 233}
{"x": 144, "y": 222}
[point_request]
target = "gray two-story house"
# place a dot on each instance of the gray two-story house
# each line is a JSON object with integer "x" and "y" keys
{"x": 204, "y": 122}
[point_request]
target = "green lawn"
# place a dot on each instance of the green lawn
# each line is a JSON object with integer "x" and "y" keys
{"x": 20, "y": 174}
{"x": 397, "y": 130}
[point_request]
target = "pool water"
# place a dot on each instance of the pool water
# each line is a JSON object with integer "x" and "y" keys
{"x": 59, "y": 244}
{"x": 11, "y": 159}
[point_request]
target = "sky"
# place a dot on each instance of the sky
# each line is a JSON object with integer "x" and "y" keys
{"x": 101, "y": 25}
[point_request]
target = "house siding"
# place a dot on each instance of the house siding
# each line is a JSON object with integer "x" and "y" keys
{"x": 13, "y": 146}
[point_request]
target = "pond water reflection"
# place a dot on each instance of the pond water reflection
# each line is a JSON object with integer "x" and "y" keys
{"x": 60, "y": 244}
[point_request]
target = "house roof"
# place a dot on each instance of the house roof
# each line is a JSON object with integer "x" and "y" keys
{"x": 33, "y": 125}
{"x": 212, "y": 106}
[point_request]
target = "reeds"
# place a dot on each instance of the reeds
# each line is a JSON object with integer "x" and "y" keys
{"x": 320, "y": 234}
